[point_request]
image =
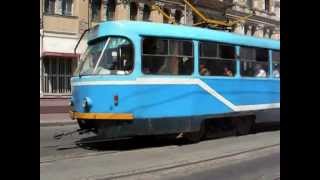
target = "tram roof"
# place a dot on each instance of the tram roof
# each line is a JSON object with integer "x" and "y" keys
{"x": 127, "y": 28}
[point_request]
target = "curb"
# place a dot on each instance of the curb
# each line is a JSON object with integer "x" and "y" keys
{"x": 56, "y": 123}
{"x": 54, "y": 109}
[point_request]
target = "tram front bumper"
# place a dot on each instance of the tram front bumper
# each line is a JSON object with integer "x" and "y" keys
{"x": 101, "y": 116}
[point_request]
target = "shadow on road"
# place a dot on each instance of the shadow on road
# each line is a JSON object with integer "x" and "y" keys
{"x": 155, "y": 141}
{"x": 130, "y": 144}
{"x": 264, "y": 127}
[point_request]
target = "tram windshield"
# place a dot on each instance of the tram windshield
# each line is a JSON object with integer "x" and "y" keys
{"x": 110, "y": 56}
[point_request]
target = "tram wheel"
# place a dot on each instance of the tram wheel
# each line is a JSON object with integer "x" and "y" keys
{"x": 244, "y": 125}
{"x": 197, "y": 136}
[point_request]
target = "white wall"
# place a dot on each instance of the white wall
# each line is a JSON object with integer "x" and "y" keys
{"x": 59, "y": 44}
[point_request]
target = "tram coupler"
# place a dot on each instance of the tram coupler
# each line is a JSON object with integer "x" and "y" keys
{"x": 80, "y": 131}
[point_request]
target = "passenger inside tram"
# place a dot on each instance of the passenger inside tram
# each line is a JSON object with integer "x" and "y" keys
{"x": 260, "y": 72}
{"x": 167, "y": 57}
{"x": 186, "y": 66}
{"x": 203, "y": 70}
{"x": 227, "y": 72}
{"x": 171, "y": 63}
{"x": 276, "y": 71}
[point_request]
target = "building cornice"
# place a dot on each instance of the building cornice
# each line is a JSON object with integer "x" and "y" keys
{"x": 254, "y": 19}
{"x": 61, "y": 16}
{"x": 60, "y": 34}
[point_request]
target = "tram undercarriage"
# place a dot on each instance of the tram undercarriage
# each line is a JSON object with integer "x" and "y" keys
{"x": 191, "y": 128}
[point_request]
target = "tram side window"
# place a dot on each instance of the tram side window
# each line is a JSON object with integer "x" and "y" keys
{"x": 254, "y": 62}
{"x": 276, "y": 64}
{"x": 217, "y": 59}
{"x": 167, "y": 56}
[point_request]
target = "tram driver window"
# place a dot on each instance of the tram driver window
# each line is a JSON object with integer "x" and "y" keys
{"x": 167, "y": 56}
{"x": 276, "y": 64}
{"x": 217, "y": 59}
{"x": 110, "y": 56}
{"x": 254, "y": 62}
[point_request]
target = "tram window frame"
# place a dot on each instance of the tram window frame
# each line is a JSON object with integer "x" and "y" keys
{"x": 255, "y": 60}
{"x": 275, "y": 62}
{"x": 217, "y": 58}
{"x": 97, "y": 40}
{"x": 168, "y": 53}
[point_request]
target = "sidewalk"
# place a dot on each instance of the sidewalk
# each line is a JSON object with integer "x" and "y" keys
{"x": 56, "y": 119}
{"x": 55, "y": 112}
{"x": 48, "y": 106}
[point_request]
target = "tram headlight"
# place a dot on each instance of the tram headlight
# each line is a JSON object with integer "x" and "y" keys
{"x": 86, "y": 103}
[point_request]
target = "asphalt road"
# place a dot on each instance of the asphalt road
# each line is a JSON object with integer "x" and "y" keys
{"x": 51, "y": 149}
{"x": 261, "y": 168}
{"x": 57, "y": 153}
{"x": 256, "y": 166}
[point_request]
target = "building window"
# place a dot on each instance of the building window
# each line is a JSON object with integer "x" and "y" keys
{"x": 265, "y": 32}
{"x": 246, "y": 29}
{"x": 95, "y": 10}
{"x": 56, "y": 74}
{"x": 253, "y": 30}
{"x": 249, "y": 3}
{"x": 111, "y": 8}
{"x": 133, "y": 11}
{"x": 67, "y": 7}
{"x": 146, "y": 13}
{"x": 195, "y": 18}
{"x": 58, "y": 7}
{"x": 270, "y": 33}
{"x": 165, "y": 19}
{"x": 254, "y": 62}
{"x": 177, "y": 16}
{"x": 167, "y": 56}
{"x": 49, "y": 7}
{"x": 217, "y": 59}
{"x": 267, "y": 5}
{"x": 276, "y": 64}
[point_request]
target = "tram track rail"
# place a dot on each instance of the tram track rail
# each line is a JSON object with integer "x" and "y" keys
{"x": 191, "y": 158}
{"x": 77, "y": 156}
{"x": 88, "y": 144}
{"x": 76, "y": 145}
{"x": 138, "y": 172}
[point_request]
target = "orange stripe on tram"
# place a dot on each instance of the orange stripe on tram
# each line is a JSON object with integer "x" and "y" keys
{"x": 101, "y": 116}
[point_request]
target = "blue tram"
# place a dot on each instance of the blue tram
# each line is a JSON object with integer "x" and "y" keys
{"x": 143, "y": 78}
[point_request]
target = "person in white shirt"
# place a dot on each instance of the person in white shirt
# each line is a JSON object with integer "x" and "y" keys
{"x": 276, "y": 72}
{"x": 260, "y": 72}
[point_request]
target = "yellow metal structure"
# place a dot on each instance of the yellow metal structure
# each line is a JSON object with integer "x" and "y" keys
{"x": 241, "y": 19}
{"x": 213, "y": 22}
{"x": 170, "y": 19}
{"x": 101, "y": 116}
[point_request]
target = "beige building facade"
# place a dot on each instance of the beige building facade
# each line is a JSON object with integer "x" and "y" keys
{"x": 63, "y": 21}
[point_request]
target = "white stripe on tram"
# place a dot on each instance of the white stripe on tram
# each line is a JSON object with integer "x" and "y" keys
{"x": 177, "y": 81}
